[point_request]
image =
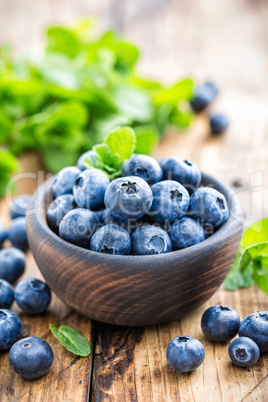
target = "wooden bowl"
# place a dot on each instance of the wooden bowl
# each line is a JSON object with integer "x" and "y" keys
{"x": 133, "y": 290}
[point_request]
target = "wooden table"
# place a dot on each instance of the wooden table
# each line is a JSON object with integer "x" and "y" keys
{"x": 224, "y": 40}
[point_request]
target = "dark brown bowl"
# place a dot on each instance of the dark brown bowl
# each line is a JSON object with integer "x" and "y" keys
{"x": 133, "y": 290}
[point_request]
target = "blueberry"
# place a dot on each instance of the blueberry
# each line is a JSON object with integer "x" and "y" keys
{"x": 150, "y": 240}
{"x": 244, "y": 352}
{"x": 12, "y": 264}
{"x": 220, "y": 323}
{"x": 128, "y": 197}
{"x": 100, "y": 214}
{"x": 65, "y": 180}
{"x": 89, "y": 188}
{"x": 219, "y": 123}
{"x": 208, "y": 206}
{"x": 58, "y": 209}
{"x": 32, "y": 295}
{"x": 143, "y": 166}
{"x": 185, "y": 354}
{"x": 186, "y": 232}
{"x": 3, "y": 234}
{"x": 78, "y": 226}
{"x": 31, "y": 357}
{"x": 255, "y": 326}
{"x": 10, "y": 329}
{"x": 111, "y": 239}
{"x": 170, "y": 201}
{"x": 6, "y": 294}
{"x": 184, "y": 171}
{"x": 19, "y": 206}
{"x": 205, "y": 94}
{"x": 88, "y": 154}
{"x": 18, "y": 234}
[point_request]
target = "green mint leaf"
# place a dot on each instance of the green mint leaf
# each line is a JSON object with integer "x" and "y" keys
{"x": 147, "y": 137}
{"x": 260, "y": 274}
{"x": 71, "y": 339}
{"x": 121, "y": 142}
{"x": 240, "y": 275}
{"x": 183, "y": 90}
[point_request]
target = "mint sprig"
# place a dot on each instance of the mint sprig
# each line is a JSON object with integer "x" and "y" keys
{"x": 71, "y": 339}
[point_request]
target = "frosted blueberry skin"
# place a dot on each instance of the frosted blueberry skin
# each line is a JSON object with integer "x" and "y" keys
{"x": 6, "y": 294}
{"x": 3, "y": 234}
{"x": 128, "y": 197}
{"x": 111, "y": 239}
{"x": 185, "y": 232}
{"x": 219, "y": 123}
{"x": 185, "y": 354}
{"x": 10, "y": 329}
{"x": 12, "y": 264}
{"x": 31, "y": 357}
{"x": 244, "y": 352}
{"x": 255, "y": 326}
{"x": 58, "y": 209}
{"x": 205, "y": 94}
{"x": 89, "y": 189}
{"x": 148, "y": 240}
{"x": 19, "y": 206}
{"x": 170, "y": 201}
{"x": 18, "y": 234}
{"x": 209, "y": 207}
{"x": 143, "y": 166}
{"x": 183, "y": 171}
{"x": 220, "y": 323}
{"x": 32, "y": 295}
{"x": 88, "y": 154}
{"x": 78, "y": 226}
{"x": 65, "y": 180}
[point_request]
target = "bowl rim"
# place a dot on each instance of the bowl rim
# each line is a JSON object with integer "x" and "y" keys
{"x": 233, "y": 223}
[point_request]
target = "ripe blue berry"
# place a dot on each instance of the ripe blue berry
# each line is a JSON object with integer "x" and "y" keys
{"x": 65, "y": 180}
{"x": 58, "y": 209}
{"x": 205, "y": 94}
{"x": 111, "y": 239}
{"x": 3, "y": 234}
{"x": 18, "y": 234}
{"x": 255, "y": 326}
{"x": 185, "y": 354}
{"x": 32, "y": 295}
{"x": 88, "y": 154}
{"x": 219, "y": 123}
{"x": 143, "y": 166}
{"x": 244, "y": 352}
{"x": 183, "y": 171}
{"x": 150, "y": 239}
{"x": 220, "y": 323}
{"x": 6, "y": 294}
{"x": 185, "y": 232}
{"x": 10, "y": 329}
{"x": 19, "y": 206}
{"x": 12, "y": 264}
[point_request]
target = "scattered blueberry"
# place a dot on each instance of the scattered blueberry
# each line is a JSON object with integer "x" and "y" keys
{"x": 244, "y": 352}
{"x": 32, "y": 295}
{"x": 78, "y": 226}
{"x": 12, "y": 264}
{"x": 31, "y": 357}
{"x": 111, "y": 239}
{"x": 150, "y": 240}
{"x": 58, "y": 209}
{"x": 19, "y": 206}
{"x": 219, "y": 123}
{"x": 185, "y": 354}
{"x": 65, "y": 180}
{"x": 88, "y": 154}
{"x": 183, "y": 171}
{"x": 10, "y": 329}
{"x": 18, "y": 234}
{"x": 128, "y": 197}
{"x": 255, "y": 326}
{"x": 89, "y": 188}
{"x": 205, "y": 94}
{"x": 3, "y": 234}
{"x": 185, "y": 232}
{"x": 6, "y": 294}
{"x": 220, "y": 323}
{"x": 143, "y": 166}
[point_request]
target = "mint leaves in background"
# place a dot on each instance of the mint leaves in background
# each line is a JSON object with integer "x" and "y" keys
{"x": 71, "y": 340}
{"x": 251, "y": 263}
{"x": 8, "y": 165}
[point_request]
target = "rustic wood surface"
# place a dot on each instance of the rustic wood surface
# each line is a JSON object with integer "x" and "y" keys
{"x": 224, "y": 40}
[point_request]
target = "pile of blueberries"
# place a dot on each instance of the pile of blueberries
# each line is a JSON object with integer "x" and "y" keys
{"x": 221, "y": 324}
{"x": 154, "y": 208}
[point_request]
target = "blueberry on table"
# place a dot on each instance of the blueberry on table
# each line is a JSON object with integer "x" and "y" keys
{"x": 12, "y": 264}
{"x": 170, "y": 201}
{"x": 89, "y": 188}
{"x": 3, "y": 234}
{"x": 143, "y": 166}
{"x": 208, "y": 206}
{"x": 244, "y": 352}
{"x": 6, "y": 294}
{"x": 185, "y": 232}
{"x": 149, "y": 240}
{"x": 183, "y": 171}
{"x": 111, "y": 239}
{"x": 32, "y": 295}
{"x": 10, "y": 329}
{"x": 205, "y": 94}
{"x": 219, "y": 123}
{"x": 78, "y": 226}
{"x": 128, "y": 197}
{"x": 58, "y": 209}
{"x": 19, "y": 206}
{"x": 65, "y": 180}
{"x": 88, "y": 154}
{"x": 185, "y": 354}
{"x": 255, "y": 326}
{"x": 220, "y": 323}
{"x": 18, "y": 234}
{"x": 31, "y": 357}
